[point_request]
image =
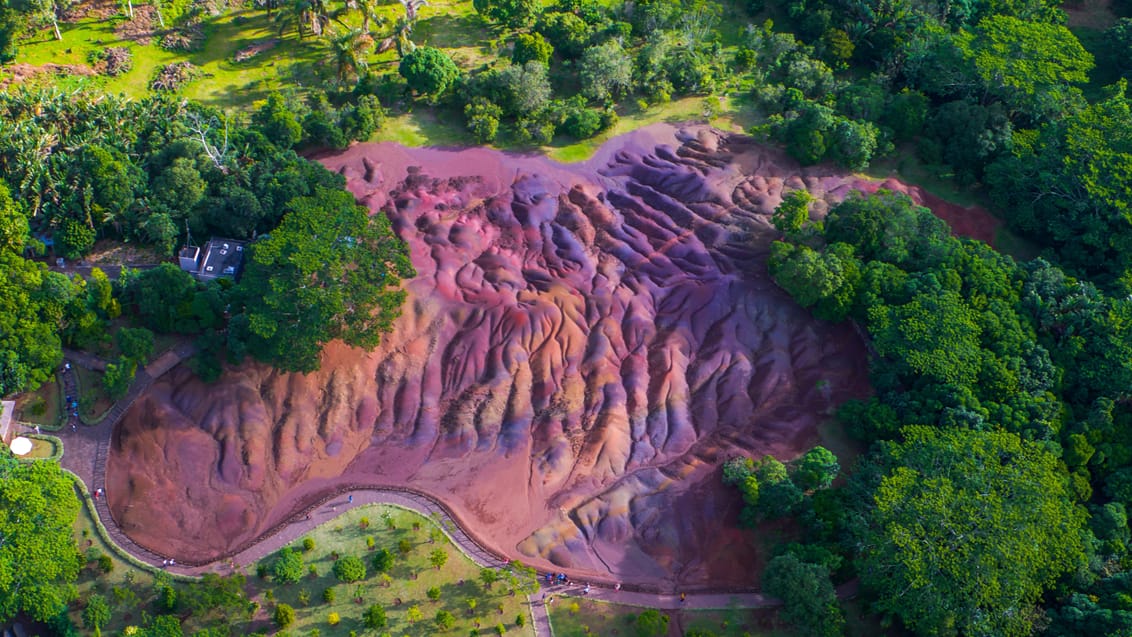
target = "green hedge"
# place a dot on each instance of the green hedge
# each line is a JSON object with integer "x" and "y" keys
{"x": 105, "y": 535}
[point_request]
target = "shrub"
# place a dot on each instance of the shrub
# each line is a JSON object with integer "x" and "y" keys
{"x": 97, "y": 612}
{"x": 364, "y": 523}
{"x": 445, "y": 620}
{"x": 284, "y": 615}
{"x": 288, "y": 567}
{"x": 374, "y": 617}
{"x": 333, "y": 618}
{"x": 350, "y": 569}
{"x": 105, "y": 564}
{"x": 328, "y": 595}
{"x": 370, "y": 543}
{"x": 650, "y": 623}
{"x": 433, "y": 593}
{"x": 404, "y": 547}
{"x": 428, "y": 70}
{"x": 520, "y": 620}
{"x": 438, "y": 558}
{"x": 482, "y": 117}
{"x": 308, "y": 544}
{"x": 500, "y": 629}
{"x": 304, "y": 597}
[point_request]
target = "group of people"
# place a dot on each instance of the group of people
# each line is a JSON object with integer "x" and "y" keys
{"x": 73, "y": 405}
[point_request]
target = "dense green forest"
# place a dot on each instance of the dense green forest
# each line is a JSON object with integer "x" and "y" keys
{"x": 993, "y": 497}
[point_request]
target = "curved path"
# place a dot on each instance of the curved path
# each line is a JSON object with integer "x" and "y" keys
{"x": 87, "y": 448}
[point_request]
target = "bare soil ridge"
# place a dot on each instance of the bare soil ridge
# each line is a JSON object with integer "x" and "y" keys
{"x": 582, "y": 348}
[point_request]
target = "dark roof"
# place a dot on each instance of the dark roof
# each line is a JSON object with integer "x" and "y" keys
{"x": 222, "y": 258}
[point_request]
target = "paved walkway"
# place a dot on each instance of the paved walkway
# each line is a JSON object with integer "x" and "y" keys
{"x": 87, "y": 447}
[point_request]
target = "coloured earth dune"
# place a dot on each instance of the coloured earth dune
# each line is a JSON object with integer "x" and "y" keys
{"x": 582, "y": 348}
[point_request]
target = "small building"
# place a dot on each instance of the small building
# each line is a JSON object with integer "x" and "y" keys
{"x": 219, "y": 259}
{"x": 7, "y": 411}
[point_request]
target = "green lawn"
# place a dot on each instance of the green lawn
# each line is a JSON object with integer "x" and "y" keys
{"x": 43, "y": 407}
{"x": 93, "y": 399}
{"x": 134, "y": 584}
{"x": 581, "y": 617}
{"x": 41, "y": 448}
{"x": 294, "y": 64}
{"x": 411, "y": 577}
{"x": 224, "y": 83}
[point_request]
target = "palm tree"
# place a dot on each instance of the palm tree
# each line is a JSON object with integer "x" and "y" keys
{"x": 349, "y": 52}
{"x": 403, "y": 29}
{"x": 368, "y": 9}
{"x": 292, "y": 14}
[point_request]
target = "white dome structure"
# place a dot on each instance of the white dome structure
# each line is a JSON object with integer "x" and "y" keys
{"x": 21, "y": 446}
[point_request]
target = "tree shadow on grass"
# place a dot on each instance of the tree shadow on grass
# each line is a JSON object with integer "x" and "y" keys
{"x": 447, "y": 30}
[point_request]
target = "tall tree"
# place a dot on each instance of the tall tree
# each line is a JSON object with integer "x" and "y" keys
{"x": 967, "y": 529}
{"x": 1029, "y": 65}
{"x": 329, "y": 271}
{"x": 808, "y": 599}
{"x": 39, "y": 561}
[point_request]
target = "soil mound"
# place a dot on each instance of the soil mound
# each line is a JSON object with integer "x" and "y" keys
{"x": 582, "y": 348}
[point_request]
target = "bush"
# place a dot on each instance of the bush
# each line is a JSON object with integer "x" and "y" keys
{"x": 105, "y": 564}
{"x": 445, "y": 620}
{"x": 304, "y": 597}
{"x": 284, "y": 615}
{"x": 350, "y": 569}
{"x": 428, "y": 70}
{"x": 650, "y": 623}
{"x": 582, "y": 123}
{"x": 308, "y": 544}
{"x": 382, "y": 560}
{"x": 482, "y": 117}
{"x": 288, "y": 567}
{"x": 531, "y": 47}
{"x": 328, "y": 595}
{"x": 97, "y": 612}
{"x": 433, "y": 593}
{"x": 374, "y": 617}
{"x": 333, "y": 618}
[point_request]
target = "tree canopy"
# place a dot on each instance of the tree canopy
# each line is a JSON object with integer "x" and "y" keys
{"x": 39, "y": 562}
{"x": 969, "y": 528}
{"x": 329, "y": 271}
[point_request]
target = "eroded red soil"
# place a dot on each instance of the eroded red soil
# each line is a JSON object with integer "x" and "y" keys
{"x": 582, "y": 348}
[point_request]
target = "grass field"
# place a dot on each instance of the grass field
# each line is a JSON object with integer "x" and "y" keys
{"x": 581, "y": 617}
{"x": 43, "y": 407}
{"x": 94, "y": 402}
{"x": 41, "y": 448}
{"x": 296, "y": 65}
{"x": 125, "y": 607}
{"x": 411, "y": 577}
